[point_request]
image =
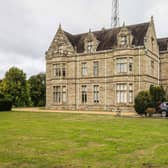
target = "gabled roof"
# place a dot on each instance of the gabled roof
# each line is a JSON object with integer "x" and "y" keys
{"x": 108, "y": 38}
{"x": 163, "y": 44}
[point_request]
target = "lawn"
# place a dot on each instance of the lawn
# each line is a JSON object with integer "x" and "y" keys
{"x": 52, "y": 140}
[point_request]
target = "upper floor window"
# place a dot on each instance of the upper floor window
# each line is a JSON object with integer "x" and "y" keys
{"x": 63, "y": 70}
{"x": 84, "y": 69}
{"x": 96, "y": 68}
{"x": 84, "y": 94}
{"x": 124, "y": 65}
{"x": 130, "y": 64}
{"x": 59, "y": 70}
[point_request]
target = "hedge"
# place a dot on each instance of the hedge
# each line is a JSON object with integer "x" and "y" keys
{"x": 5, "y": 105}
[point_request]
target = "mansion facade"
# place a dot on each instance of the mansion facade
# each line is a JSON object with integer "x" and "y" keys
{"x": 104, "y": 70}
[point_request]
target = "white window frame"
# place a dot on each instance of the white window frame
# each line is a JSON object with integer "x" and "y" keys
{"x": 84, "y": 69}
{"x": 96, "y": 94}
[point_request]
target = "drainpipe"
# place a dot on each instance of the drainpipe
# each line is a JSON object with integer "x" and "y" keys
{"x": 139, "y": 84}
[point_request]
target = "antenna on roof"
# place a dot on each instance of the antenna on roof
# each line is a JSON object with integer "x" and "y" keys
{"x": 115, "y": 14}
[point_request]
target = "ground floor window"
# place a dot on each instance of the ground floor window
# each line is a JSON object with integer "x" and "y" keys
{"x": 84, "y": 94}
{"x": 96, "y": 93}
{"x": 124, "y": 93}
{"x": 59, "y": 94}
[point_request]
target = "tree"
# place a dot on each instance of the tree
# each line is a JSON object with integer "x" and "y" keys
{"x": 157, "y": 94}
{"x": 142, "y": 102}
{"x": 37, "y": 86}
{"x": 14, "y": 87}
{"x": 149, "y": 99}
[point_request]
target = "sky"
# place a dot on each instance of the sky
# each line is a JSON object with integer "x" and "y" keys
{"x": 27, "y": 27}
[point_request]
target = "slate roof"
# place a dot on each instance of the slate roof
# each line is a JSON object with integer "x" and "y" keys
{"x": 163, "y": 44}
{"x": 108, "y": 37}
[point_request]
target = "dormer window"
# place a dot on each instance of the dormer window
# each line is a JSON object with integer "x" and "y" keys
{"x": 124, "y": 37}
{"x": 123, "y": 40}
{"x": 90, "y": 47}
{"x": 90, "y": 43}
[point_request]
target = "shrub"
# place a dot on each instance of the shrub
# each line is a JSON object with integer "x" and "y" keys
{"x": 142, "y": 102}
{"x": 5, "y": 105}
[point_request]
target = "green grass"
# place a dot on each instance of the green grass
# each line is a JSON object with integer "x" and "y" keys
{"x": 52, "y": 140}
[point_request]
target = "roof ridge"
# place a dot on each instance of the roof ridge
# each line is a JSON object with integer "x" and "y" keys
{"x": 108, "y": 29}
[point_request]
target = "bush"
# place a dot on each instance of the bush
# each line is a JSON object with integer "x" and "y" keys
{"x": 1, "y": 96}
{"x": 142, "y": 102}
{"x": 5, "y": 105}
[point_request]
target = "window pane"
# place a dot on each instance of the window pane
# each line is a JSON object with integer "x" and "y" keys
{"x": 96, "y": 93}
{"x": 84, "y": 93}
{"x": 95, "y": 68}
{"x": 84, "y": 69}
{"x": 121, "y": 65}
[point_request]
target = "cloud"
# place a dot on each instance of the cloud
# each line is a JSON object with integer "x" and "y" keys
{"x": 28, "y": 26}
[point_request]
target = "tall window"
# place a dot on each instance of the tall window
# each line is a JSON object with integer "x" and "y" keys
{"x": 124, "y": 65}
{"x": 84, "y": 94}
{"x": 63, "y": 70}
{"x": 130, "y": 94}
{"x": 124, "y": 93}
{"x": 59, "y": 70}
{"x": 64, "y": 94}
{"x": 96, "y": 93}
{"x": 130, "y": 64}
{"x": 84, "y": 69}
{"x": 121, "y": 93}
{"x": 96, "y": 68}
{"x": 59, "y": 94}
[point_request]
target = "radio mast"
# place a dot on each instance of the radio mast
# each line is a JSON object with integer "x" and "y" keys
{"x": 115, "y": 20}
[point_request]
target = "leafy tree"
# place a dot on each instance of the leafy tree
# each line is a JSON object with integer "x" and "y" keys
{"x": 157, "y": 94}
{"x": 38, "y": 89}
{"x": 14, "y": 87}
{"x": 142, "y": 102}
{"x": 149, "y": 99}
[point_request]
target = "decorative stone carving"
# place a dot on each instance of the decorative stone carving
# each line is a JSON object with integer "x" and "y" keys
{"x": 124, "y": 37}
{"x": 91, "y": 43}
{"x": 60, "y": 46}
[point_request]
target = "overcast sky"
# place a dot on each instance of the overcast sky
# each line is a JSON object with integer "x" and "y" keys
{"x": 27, "y": 27}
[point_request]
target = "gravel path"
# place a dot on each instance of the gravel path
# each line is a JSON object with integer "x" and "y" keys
{"x": 131, "y": 114}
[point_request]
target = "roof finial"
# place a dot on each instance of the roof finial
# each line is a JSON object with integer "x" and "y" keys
{"x": 152, "y": 19}
{"x": 60, "y": 27}
{"x": 90, "y": 30}
{"x": 124, "y": 24}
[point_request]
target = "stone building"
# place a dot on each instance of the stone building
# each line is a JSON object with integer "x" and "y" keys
{"x": 104, "y": 70}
